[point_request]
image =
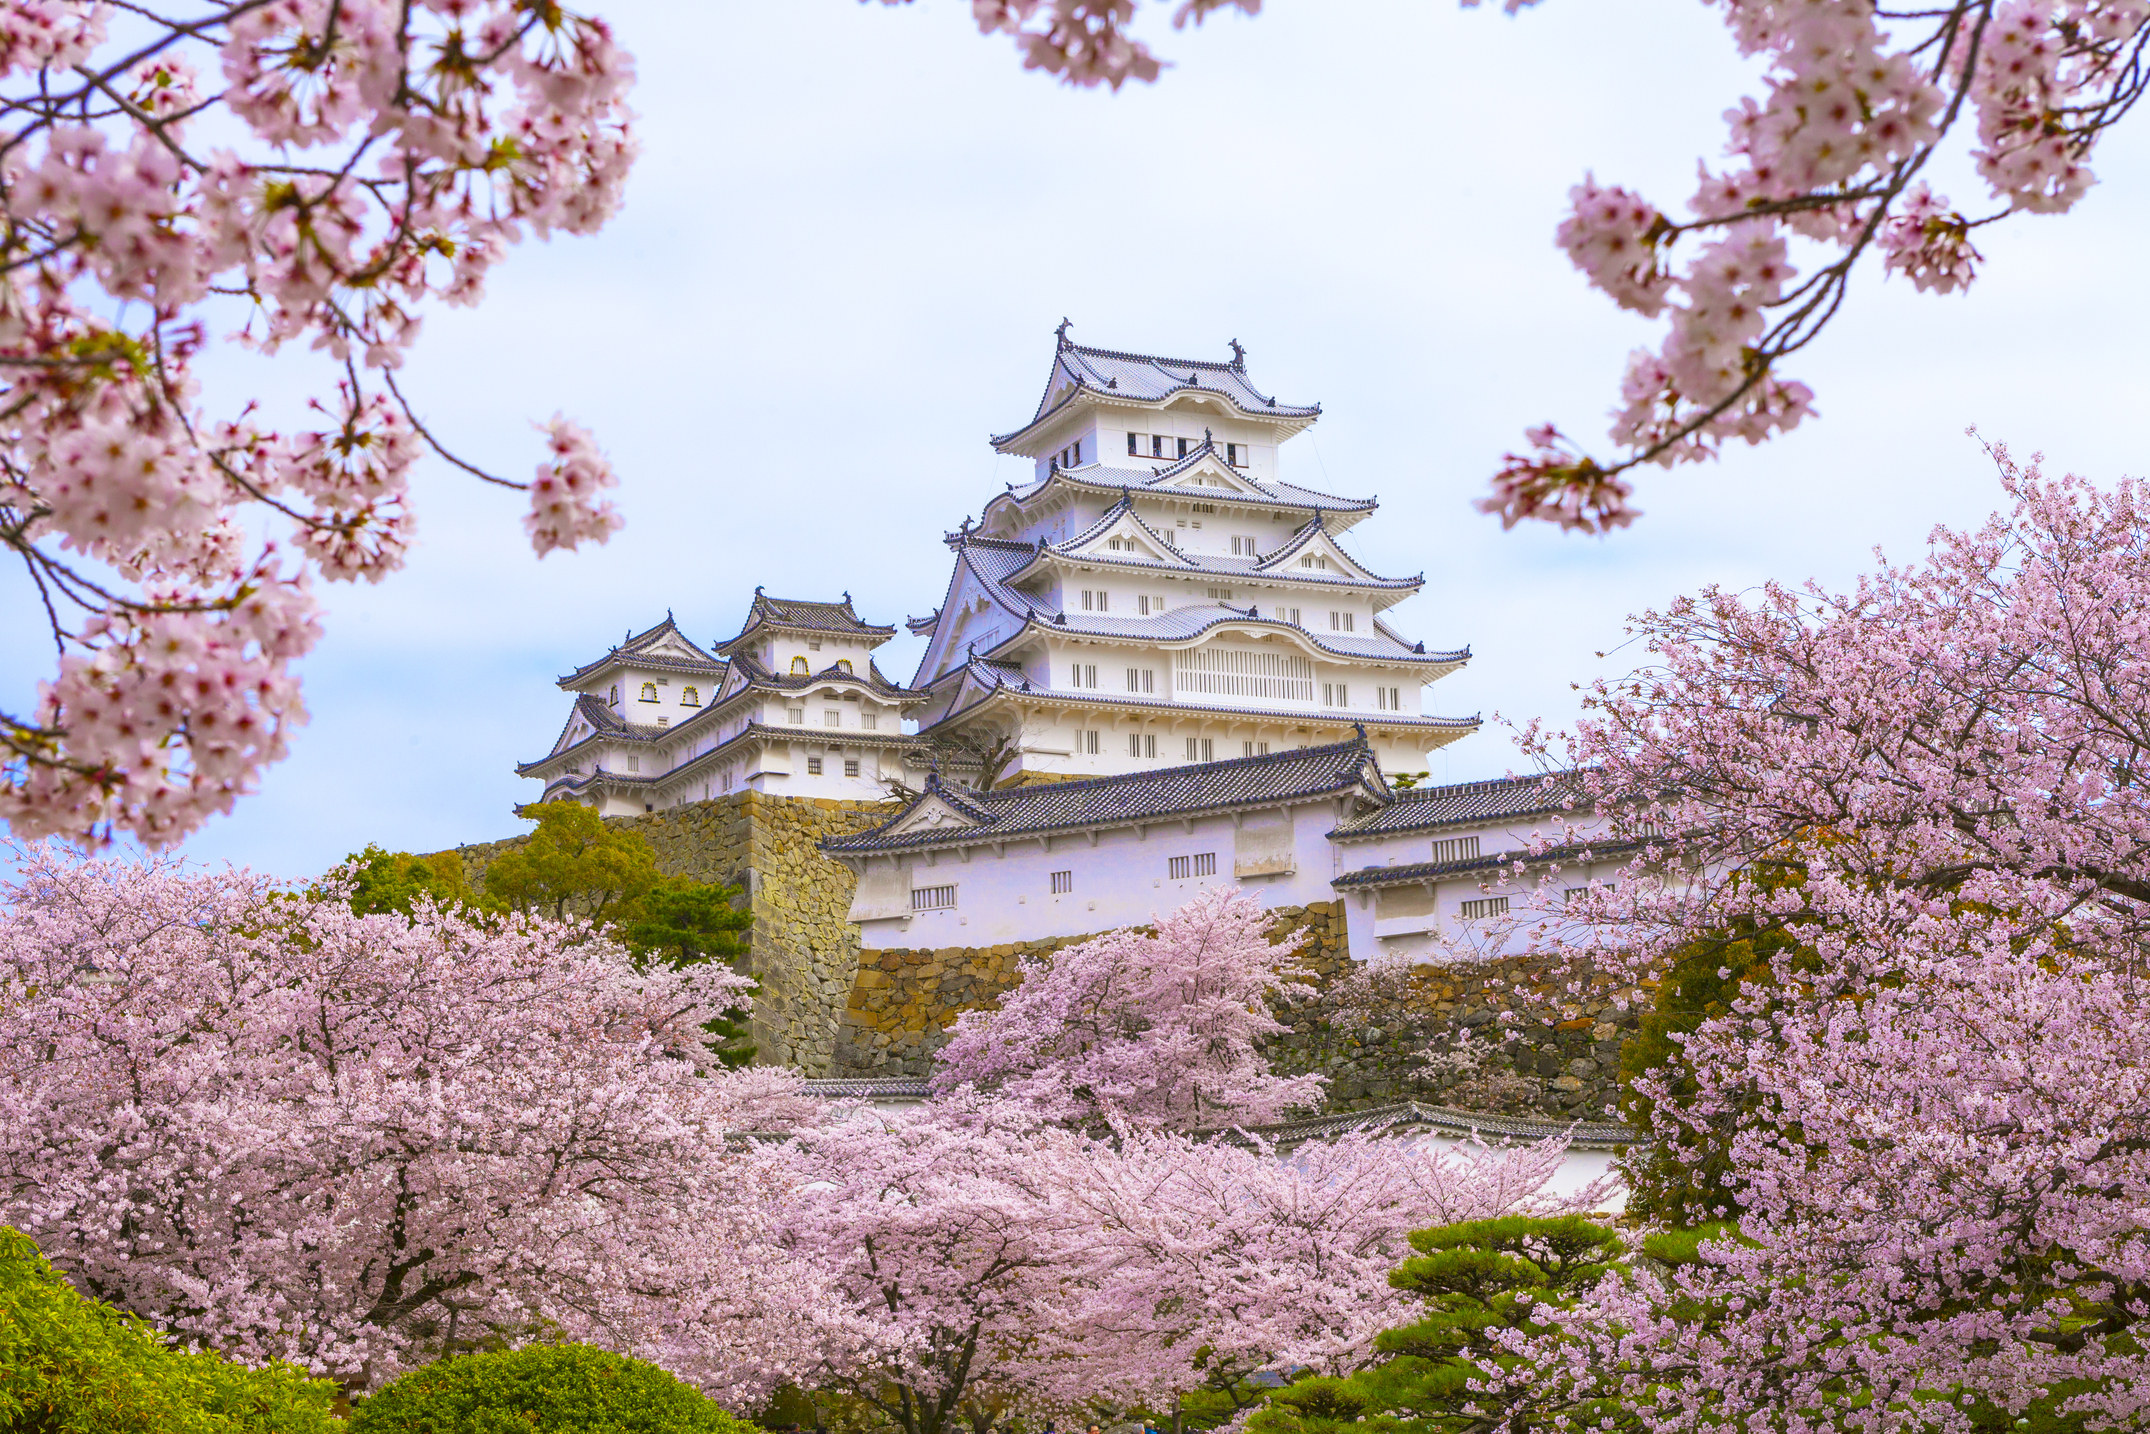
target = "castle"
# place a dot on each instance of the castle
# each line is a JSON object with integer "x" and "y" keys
{"x": 1154, "y": 667}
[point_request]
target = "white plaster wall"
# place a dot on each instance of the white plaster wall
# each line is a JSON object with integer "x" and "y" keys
{"x": 1122, "y": 880}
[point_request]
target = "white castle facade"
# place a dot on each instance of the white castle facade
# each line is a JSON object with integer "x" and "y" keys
{"x": 1154, "y": 667}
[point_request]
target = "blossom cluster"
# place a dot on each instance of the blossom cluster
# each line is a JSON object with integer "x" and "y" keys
{"x": 1854, "y": 103}
{"x": 1933, "y": 1108}
{"x": 358, "y": 1143}
{"x": 368, "y": 159}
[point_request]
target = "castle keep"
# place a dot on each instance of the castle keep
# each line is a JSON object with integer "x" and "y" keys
{"x": 1155, "y": 667}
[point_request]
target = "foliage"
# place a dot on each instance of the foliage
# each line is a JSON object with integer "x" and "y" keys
{"x": 385, "y": 881}
{"x": 542, "y": 1389}
{"x": 687, "y": 923}
{"x": 1157, "y": 1029}
{"x": 357, "y": 1142}
{"x": 573, "y": 865}
{"x": 70, "y": 1365}
{"x": 1475, "y": 1279}
{"x": 1954, "y": 756}
{"x": 346, "y": 166}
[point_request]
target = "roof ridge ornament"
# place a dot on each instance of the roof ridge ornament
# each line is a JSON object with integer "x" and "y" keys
{"x": 1061, "y": 333}
{"x": 1239, "y": 356}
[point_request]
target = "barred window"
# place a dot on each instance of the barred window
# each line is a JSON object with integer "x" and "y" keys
{"x": 1201, "y": 749}
{"x": 932, "y": 898}
{"x": 796, "y": 716}
{"x": 1456, "y": 849}
{"x": 1237, "y": 672}
{"x": 1488, "y": 906}
{"x": 1063, "y": 882}
{"x": 813, "y": 766}
{"x": 851, "y": 766}
{"x": 1176, "y": 868}
{"x": 1205, "y": 863}
{"x": 798, "y": 667}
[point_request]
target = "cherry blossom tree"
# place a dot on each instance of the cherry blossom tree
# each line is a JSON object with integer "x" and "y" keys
{"x": 317, "y": 173}
{"x": 356, "y": 1142}
{"x": 1936, "y": 1121}
{"x": 1156, "y": 1030}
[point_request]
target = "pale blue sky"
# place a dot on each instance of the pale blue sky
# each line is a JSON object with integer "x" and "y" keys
{"x": 854, "y": 227}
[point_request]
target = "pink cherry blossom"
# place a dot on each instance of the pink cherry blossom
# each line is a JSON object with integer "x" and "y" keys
{"x": 1937, "y": 1118}
{"x": 370, "y": 159}
{"x": 353, "y": 1142}
{"x": 1160, "y": 1030}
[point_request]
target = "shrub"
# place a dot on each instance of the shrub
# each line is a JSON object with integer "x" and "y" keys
{"x": 70, "y": 1365}
{"x": 542, "y": 1389}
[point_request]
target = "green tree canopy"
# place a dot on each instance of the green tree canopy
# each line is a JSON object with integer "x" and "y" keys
{"x": 573, "y": 865}
{"x": 1474, "y": 1278}
{"x": 70, "y": 1365}
{"x": 392, "y": 880}
{"x": 542, "y": 1389}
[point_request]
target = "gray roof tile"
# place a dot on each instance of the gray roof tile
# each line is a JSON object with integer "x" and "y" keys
{"x": 800, "y": 616}
{"x": 1136, "y": 796}
{"x": 1501, "y": 799}
{"x": 1151, "y": 378}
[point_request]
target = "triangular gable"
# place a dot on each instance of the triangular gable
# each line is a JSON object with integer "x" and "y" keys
{"x": 1203, "y": 472}
{"x": 968, "y": 593}
{"x": 1122, "y": 536}
{"x": 933, "y": 812}
{"x": 1316, "y": 541}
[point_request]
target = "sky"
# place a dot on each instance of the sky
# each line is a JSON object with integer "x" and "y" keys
{"x": 853, "y": 228}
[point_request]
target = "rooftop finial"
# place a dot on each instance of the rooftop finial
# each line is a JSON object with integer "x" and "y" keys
{"x": 757, "y": 589}
{"x": 1239, "y": 355}
{"x": 1208, "y": 438}
{"x": 847, "y": 597}
{"x": 1061, "y": 333}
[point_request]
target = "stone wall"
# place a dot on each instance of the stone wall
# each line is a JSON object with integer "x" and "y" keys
{"x": 803, "y": 949}
{"x": 1552, "y": 1042}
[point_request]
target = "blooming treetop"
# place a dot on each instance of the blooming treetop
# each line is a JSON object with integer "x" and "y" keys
{"x": 358, "y": 1141}
{"x": 1940, "y": 1125}
{"x": 1152, "y": 1030}
{"x": 1856, "y": 101}
{"x": 324, "y": 170}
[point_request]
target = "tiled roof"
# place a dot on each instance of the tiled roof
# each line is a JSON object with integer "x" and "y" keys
{"x": 1002, "y": 676}
{"x": 1501, "y": 799}
{"x": 1193, "y": 563}
{"x": 874, "y": 680}
{"x": 995, "y": 560}
{"x": 799, "y": 616}
{"x": 1156, "y": 482}
{"x": 1136, "y": 796}
{"x": 1373, "y": 876}
{"x": 1447, "y": 1120}
{"x": 1149, "y": 378}
{"x": 636, "y": 647}
{"x": 920, "y": 626}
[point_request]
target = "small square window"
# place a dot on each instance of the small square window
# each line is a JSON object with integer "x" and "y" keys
{"x": 813, "y": 766}
{"x": 832, "y": 718}
{"x": 851, "y": 766}
{"x": 796, "y": 716}
{"x": 1063, "y": 882}
{"x": 1205, "y": 863}
{"x": 871, "y": 721}
{"x": 1132, "y": 440}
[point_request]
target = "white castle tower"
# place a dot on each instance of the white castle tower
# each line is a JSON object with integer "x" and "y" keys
{"x": 1157, "y": 594}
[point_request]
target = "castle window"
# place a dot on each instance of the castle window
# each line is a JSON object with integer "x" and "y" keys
{"x": 1086, "y": 743}
{"x": 690, "y": 697}
{"x": 932, "y": 898}
{"x": 1063, "y": 882}
{"x": 798, "y": 667}
{"x": 832, "y": 717}
{"x": 1289, "y": 614}
{"x": 851, "y": 766}
{"x": 796, "y": 716}
{"x": 843, "y": 664}
{"x": 1389, "y": 698}
{"x": 1315, "y": 561}
{"x": 649, "y": 692}
{"x": 1075, "y": 448}
{"x": 1201, "y": 749}
{"x": 1157, "y": 445}
{"x": 1254, "y": 749}
{"x": 1096, "y": 601}
{"x": 1132, "y": 440}
{"x": 613, "y": 700}
{"x": 813, "y": 644}
{"x": 1084, "y": 673}
{"x": 1336, "y": 694}
{"x": 1236, "y": 454}
{"x": 664, "y": 721}
{"x": 1141, "y": 744}
{"x": 634, "y": 763}
{"x": 871, "y": 721}
{"x": 1183, "y": 448}
{"x": 1480, "y": 910}
{"x": 1142, "y": 679}
{"x": 1456, "y": 849}
{"x": 813, "y": 766}
{"x": 1221, "y": 594}
{"x": 1179, "y": 868}
{"x": 1341, "y": 621}
{"x": 1245, "y": 547}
